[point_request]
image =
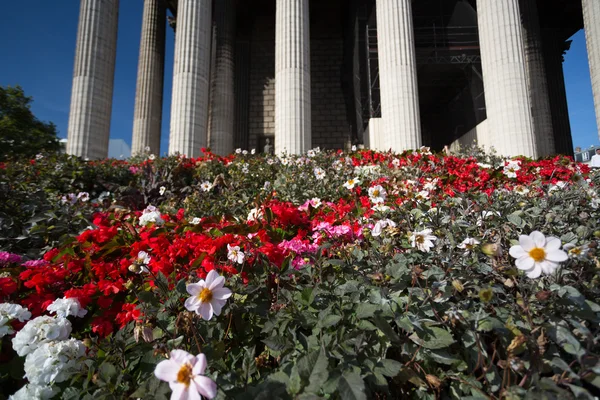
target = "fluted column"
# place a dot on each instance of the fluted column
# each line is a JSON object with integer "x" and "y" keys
{"x": 591, "y": 21}
{"x": 222, "y": 98}
{"x": 191, "y": 74}
{"x": 510, "y": 128}
{"x": 93, "y": 79}
{"x": 398, "y": 76}
{"x": 292, "y": 77}
{"x": 537, "y": 78}
{"x": 147, "y": 118}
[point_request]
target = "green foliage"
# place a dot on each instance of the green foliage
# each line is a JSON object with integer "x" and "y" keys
{"x": 21, "y": 133}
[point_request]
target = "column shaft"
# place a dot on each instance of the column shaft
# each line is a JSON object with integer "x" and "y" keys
{"x": 149, "y": 93}
{"x": 591, "y": 20}
{"x": 222, "y": 97}
{"x": 537, "y": 78}
{"x": 191, "y": 74}
{"x": 93, "y": 78}
{"x": 510, "y": 128}
{"x": 292, "y": 77}
{"x": 398, "y": 76}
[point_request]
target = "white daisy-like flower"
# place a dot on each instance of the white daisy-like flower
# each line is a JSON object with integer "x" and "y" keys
{"x": 422, "y": 240}
{"x": 520, "y": 189}
{"x": 350, "y": 183}
{"x": 253, "y": 151}
{"x": 65, "y": 307}
{"x": 245, "y": 152}
{"x": 162, "y": 190}
{"x": 377, "y": 194}
{"x": 396, "y": 162}
{"x": 151, "y": 157}
{"x": 238, "y": 151}
{"x": 337, "y": 165}
{"x": 235, "y": 255}
{"x": 319, "y": 173}
{"x": 208, "y": 296}
{"x": 485, "y": 214}
{"x": 353, "y": 148}
{"x": 83, "y": 196}
{"x": 511, "y": 167}
{"x": 270, "y": 161}
{"x": 381, "y": 225}
{"x": 311, "y": 153}
{"x": 422, "y": 195}
{"x": 184, "y": 372}
{"x": 195, "y": 221}
{"x": 537, "y": 254}
{"x": 468, "y": 245}
{"x": 284, "y": 161}
{"x": 315, "y": 202}
{"x": 141, "y": 263}
{"x": 380, "y": 207}
{"x": 254, "y": 215}
{"x": 206, "y": 186}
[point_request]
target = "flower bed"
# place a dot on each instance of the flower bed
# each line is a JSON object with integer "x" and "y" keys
{"x": 331, "y": 275}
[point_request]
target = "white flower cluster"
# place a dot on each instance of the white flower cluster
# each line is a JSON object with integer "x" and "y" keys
{"x": 31, "y": 391}
{"x": 38, "y": 331}
{"x": 54, "y": 362}
{"x": 8, "y": 312}
{"x": 151, "y": 214}
{"x": 65, "y": 307}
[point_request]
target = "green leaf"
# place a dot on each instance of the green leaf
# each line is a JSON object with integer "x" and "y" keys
{"x": 366, "y": 310}
{"x": 329, "y": 320}
{"x": 277, "y": 343}
{"x": 319, "y": 373}
{"x": 390, "y": 368}
{"x": 351, "y": 386}
{"x": 436, "y": 338}
{"x": 563, "y": 337}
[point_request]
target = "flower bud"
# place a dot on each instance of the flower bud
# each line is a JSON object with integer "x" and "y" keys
{"x": 458, "y": 285}
{"x": 147, "y": 333}
{"x": 492, "y": 250}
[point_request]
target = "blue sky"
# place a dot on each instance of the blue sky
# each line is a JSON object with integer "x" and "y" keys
{"x": 38, "y": 48}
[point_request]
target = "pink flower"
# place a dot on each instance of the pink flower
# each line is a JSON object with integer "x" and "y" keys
{"x": 184, "y": 372}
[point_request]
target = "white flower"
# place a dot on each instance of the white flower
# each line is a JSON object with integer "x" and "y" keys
{"x": 422, "y": 195}
{"x": 38, "y": 331}
{"x": 245, "y": 152}
{"x": 184, "y": 372}
{"x": 284, "y": 161}
{"x": 206, "y": 186}
{"x": 353, "y": 148}
{"x": 311, "y": 153}
{"x": 8, "y": 312}
{"x": 270, "y": 161}
{"x": 254, "y": 215}
{"x": 253, "y": 151}
{"x": 54, "y": 362}
{"x": 425, "y": 150}
{"x": 34, "y": 392}
{"x": 396, "y": 162}
{"x": 151, "y": 157}
{"x": 431, "y": 184}
{"x": 83, "y": 196}
{"x": 315, "y": 202}
{"x": 380, "y": 207}
{"x": 380, "y": 225}
{"x": 234, "y": 254}
{"x": 39, "y": 156}
{"x": 208, "y": 296}
{"x": 350, "y": 183}
{"x": 511, "y": 167}
{"x": 319, "y": 173}
{"x": 15, "y": 311}
{"x": 337, "y": 165}
{"x": 141, "y": 263}
{"x": 520, "y": 189}
{"x": 558, "y": 186}
{"x": 151, "y": 214}
{"x": 485, "y": 215}
{"x": 238, "y": 151}
{"x": 245, "y": 168}
{"x": 377, "y": 194}
{"x": 65, "y": 307}
{"x": 484, "y": 165}
{"x": 162, "y": 190}
{"x": 267, "y": 185}
{"x": 468, "y": 245}
{"x": 422, "y": 240}
{"x": 537, "y": 254}
{"x": 195, "y": 221}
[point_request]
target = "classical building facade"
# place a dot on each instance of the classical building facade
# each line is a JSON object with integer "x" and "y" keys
{"x": 390, "y": 74}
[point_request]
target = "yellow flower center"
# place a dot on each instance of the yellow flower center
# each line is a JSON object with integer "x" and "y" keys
{"x": 375, "y": 193}
{"x": 185, "y": 374}
{"x": 205, "y": 295}
{"x": 351, "y": 182}
{"x": 420, "y": 239}
{"x": 538, "y": 254}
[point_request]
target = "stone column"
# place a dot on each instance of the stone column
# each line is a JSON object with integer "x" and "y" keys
{"x": 591, "y": 21}
{"x": 191, "y": 74}
{"x": 510, "y": 128}
{"x": 292, "y": 77}
{"x": 147, "y": 118}
{"x": 537, "y": 78}
{"x": 93, "y": 79}
{"x": 398, "y": 76}
{"x": 222, "y": 98}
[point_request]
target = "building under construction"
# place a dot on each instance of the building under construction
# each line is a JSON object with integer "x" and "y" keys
{"x": 390, "y": 74}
